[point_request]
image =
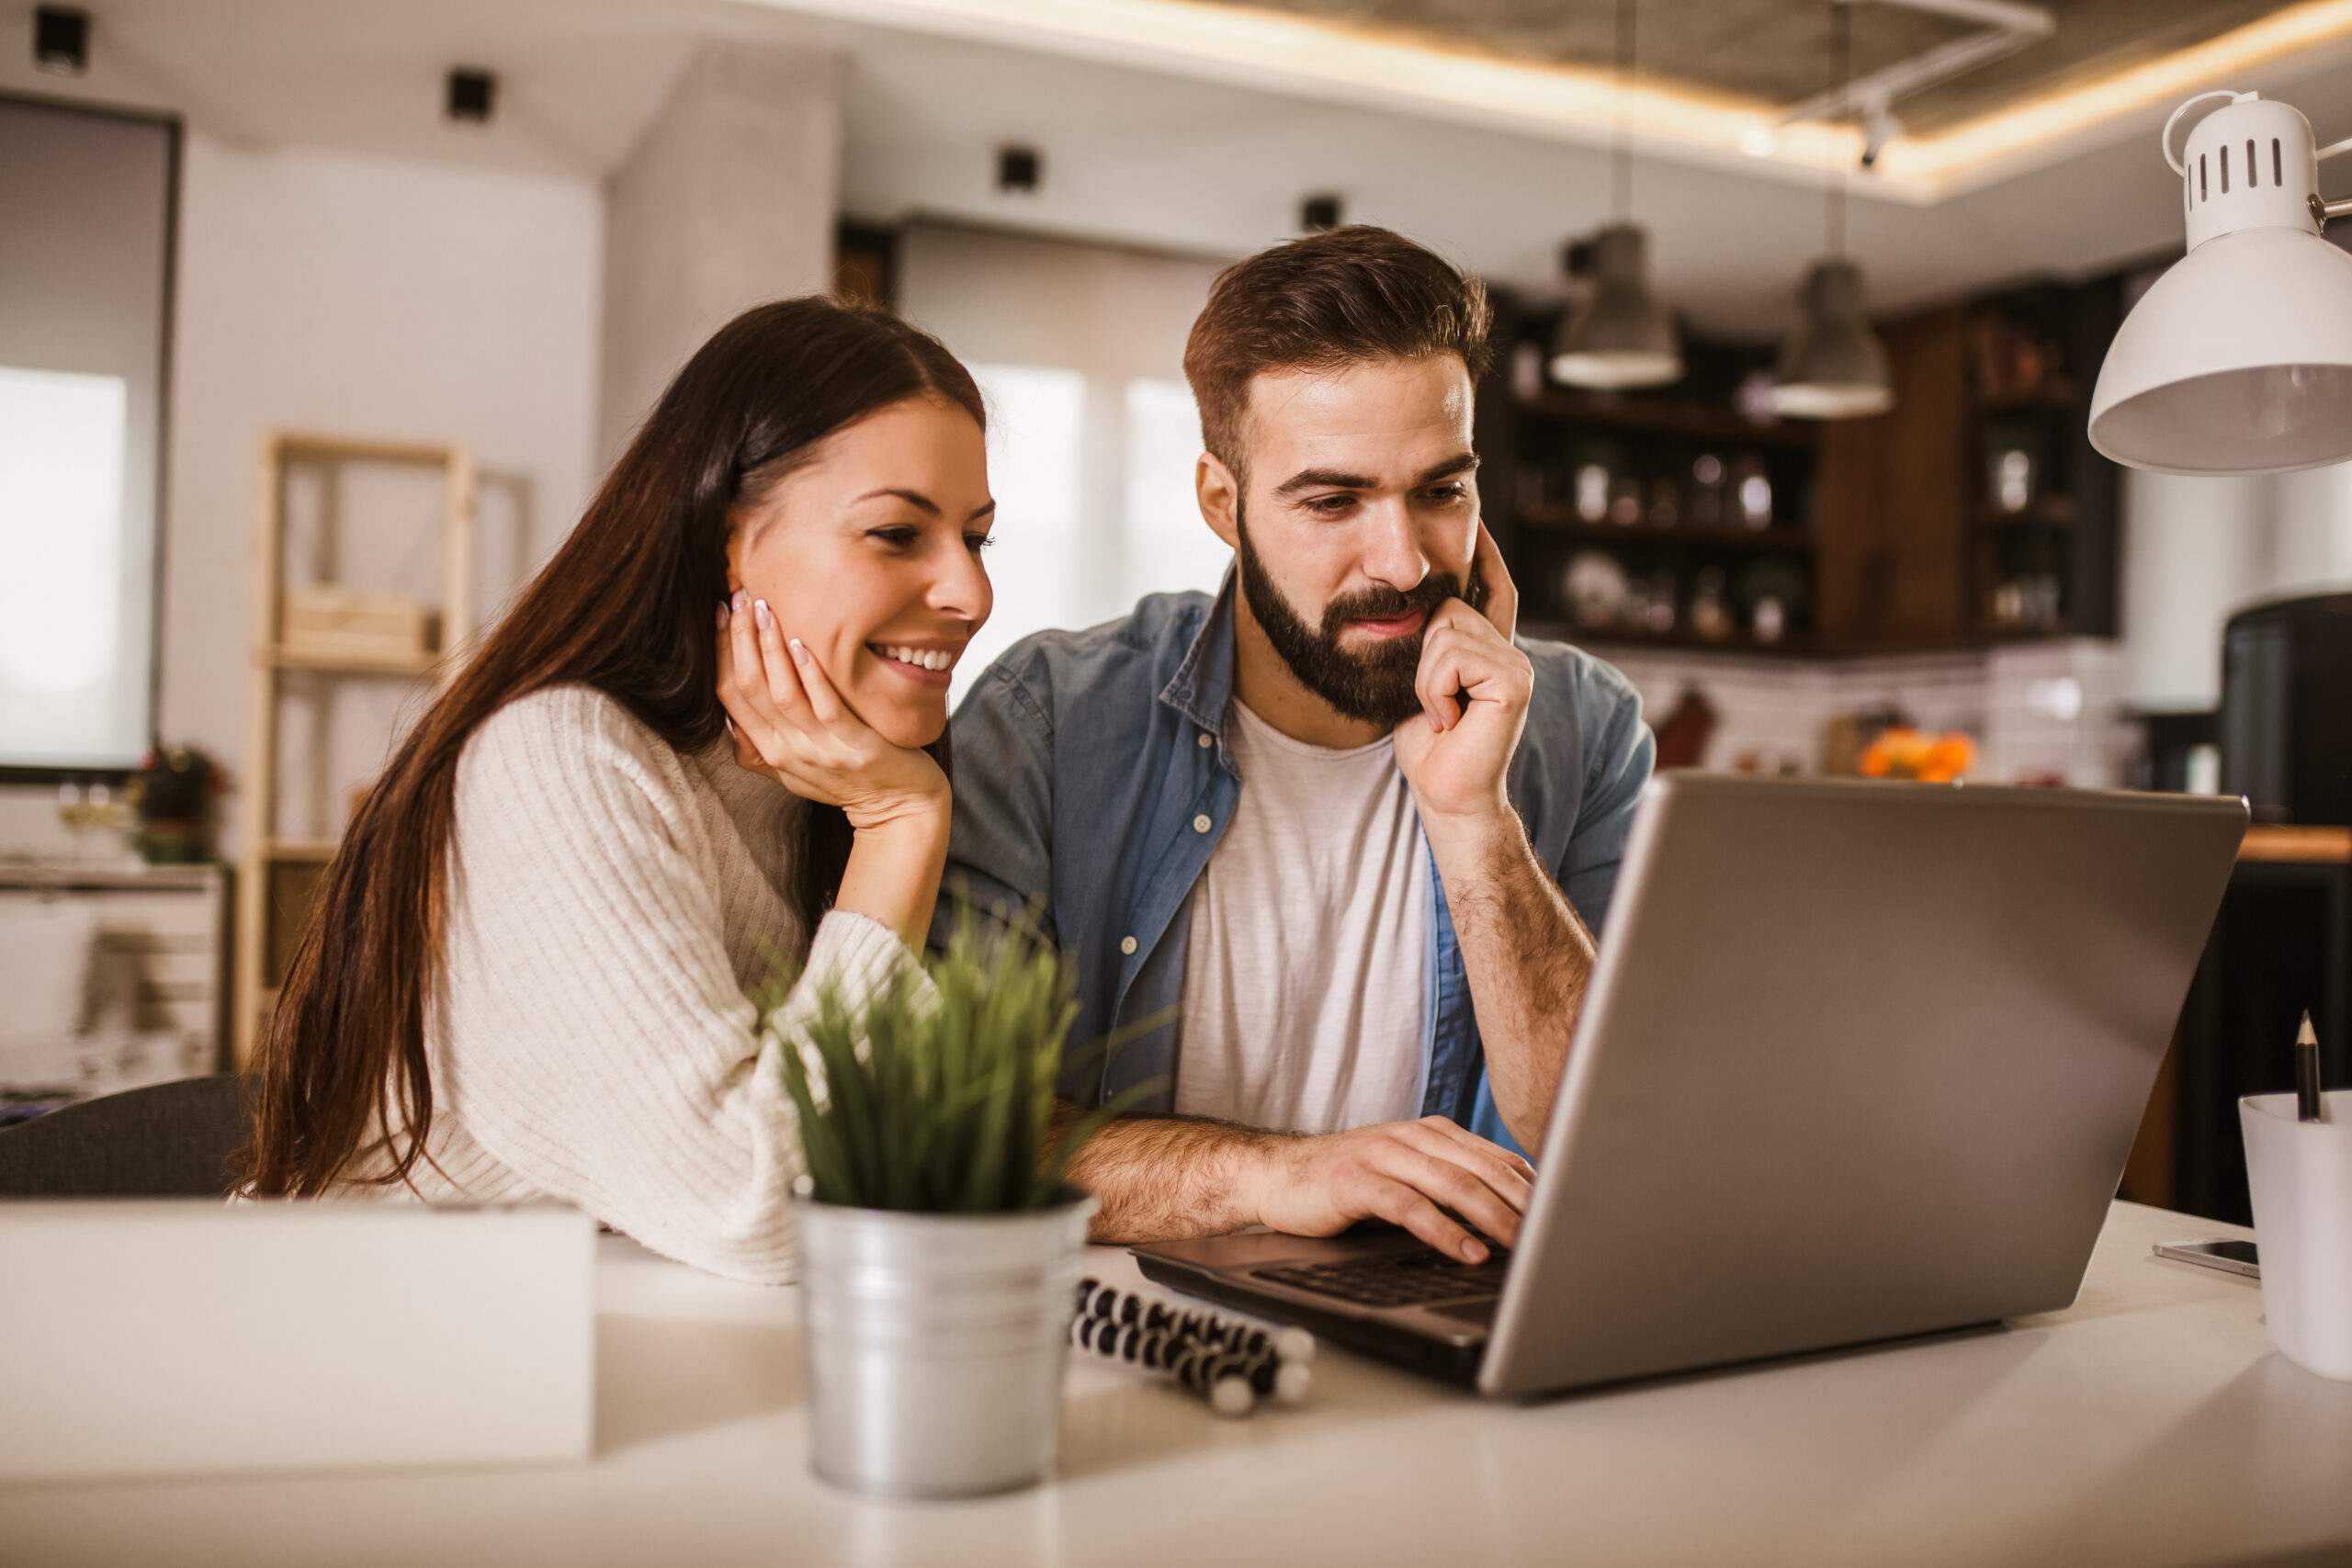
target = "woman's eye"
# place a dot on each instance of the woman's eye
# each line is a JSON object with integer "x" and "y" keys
{"x": 896, "y": 538}
{"x": 976, "y": 543}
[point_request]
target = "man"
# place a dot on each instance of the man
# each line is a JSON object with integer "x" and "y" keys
{"x": 1335, "y": 820}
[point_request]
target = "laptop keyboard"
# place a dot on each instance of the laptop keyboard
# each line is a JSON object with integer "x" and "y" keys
{"x": 1394, "y": 1279}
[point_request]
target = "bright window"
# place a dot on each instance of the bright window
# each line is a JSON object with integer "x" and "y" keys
{"x": 1056, "y": 439}
{"x": 1169, "y": 548}
{"x": 85, "y": 275}
{"x": 61, "y": 550}
{"x": 1036, "y": 438}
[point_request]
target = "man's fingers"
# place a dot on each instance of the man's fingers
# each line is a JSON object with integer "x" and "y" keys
{"x": 1476, "y": 665}
{"x": 1463, "y": 1191}
{"x": 1482, "y": 1187}
{"x": 1450, "y": 667}
{"x": 1471, "y": 1142}
{"x": 1502, "y": 594}
{"x": 1400, "y": 1203}
{"x": 1433, "y": 678}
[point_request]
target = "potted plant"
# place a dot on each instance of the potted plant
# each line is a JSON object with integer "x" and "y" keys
{"x": 940, "y": 1245}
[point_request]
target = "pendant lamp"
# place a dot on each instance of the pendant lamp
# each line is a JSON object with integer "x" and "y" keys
{"x": 2239, "y": 359}
{"x": 1620, "y": 335}
{"x": 1832, "y": 365}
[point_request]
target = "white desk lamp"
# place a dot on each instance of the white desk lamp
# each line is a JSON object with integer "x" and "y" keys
{"x": 2239, "y": 359}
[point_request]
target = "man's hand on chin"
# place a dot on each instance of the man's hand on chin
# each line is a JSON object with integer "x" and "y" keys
{"x": 1473, "y": 686}
{"x": 1397, "y": 1171}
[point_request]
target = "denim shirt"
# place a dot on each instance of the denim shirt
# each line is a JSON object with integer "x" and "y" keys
{"x": 1093, "y": 780}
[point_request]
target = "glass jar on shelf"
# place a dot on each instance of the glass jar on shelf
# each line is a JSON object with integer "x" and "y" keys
{"x": 1752, "y": 492}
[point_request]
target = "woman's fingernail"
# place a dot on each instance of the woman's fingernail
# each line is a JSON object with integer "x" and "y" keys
{"x": 741, "y": 602}
{"x": 799, "y": 653}
{"x": 724, "y": 616}
{"x": 1472, "y": 1252}
{"x": 760, "y": 609}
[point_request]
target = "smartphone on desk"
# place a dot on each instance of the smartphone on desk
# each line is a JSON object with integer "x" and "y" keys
{"x": 2230, "y": 1257}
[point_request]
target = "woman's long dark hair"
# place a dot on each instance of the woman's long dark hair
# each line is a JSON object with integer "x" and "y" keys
{"x": 628, "y": 606}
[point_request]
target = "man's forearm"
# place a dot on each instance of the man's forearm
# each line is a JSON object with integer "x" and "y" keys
{"x": 1528, "y": 956}
{"x": 1159, "y": 1178}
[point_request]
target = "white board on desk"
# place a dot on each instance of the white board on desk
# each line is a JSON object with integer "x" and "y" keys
{"x": 185, "y": 1337}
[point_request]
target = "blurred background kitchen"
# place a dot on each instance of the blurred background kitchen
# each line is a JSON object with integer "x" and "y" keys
{"x": 318, "y": 320}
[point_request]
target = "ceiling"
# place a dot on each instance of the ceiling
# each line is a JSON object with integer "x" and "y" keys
{"x": 1778, "y": 50}
{"x": 1137, "y": 150}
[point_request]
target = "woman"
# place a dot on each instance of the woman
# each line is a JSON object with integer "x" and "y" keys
{"x": 694, "y": 746}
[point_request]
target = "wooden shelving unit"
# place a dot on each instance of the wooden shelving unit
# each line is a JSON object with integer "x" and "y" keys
{"x": 1891, "y": 522}
{"x": 1537, "y": 439}
{"x": 1663, "y": 416}
{"x": 1560, "y": 522}
{"x": 2047, "y": 568}
{"x": 278, "y": 877}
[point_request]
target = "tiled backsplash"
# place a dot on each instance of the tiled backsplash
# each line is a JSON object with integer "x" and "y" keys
{"x": 2038, "y": 711}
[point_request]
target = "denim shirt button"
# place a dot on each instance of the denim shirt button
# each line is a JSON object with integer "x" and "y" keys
{"x": 1127, "y": 946}
{"x": 1201, "y": 824}
{"x": 1207, "y": 740}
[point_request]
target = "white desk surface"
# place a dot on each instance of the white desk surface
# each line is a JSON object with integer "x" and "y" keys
{"x": 2150, "y": 1423}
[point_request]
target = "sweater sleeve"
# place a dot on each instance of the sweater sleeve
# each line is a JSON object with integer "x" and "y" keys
{"x": 596, "y": 1040}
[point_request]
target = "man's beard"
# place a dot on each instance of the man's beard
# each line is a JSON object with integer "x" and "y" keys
{"x": 1374, "y": 686}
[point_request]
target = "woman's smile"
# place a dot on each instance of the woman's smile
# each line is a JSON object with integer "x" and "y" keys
{"x": 927, "y": 662}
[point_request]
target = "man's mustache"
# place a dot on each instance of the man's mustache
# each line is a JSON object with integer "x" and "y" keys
{"x": 1386, "y": 604}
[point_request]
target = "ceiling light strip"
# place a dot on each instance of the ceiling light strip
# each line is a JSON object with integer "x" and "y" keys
{"x": 1979, "y": 147}
{"x": 1380, "y": 69}
{"x": 1365, "y": 67}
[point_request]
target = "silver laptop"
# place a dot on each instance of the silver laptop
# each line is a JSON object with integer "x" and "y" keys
{"x": 1860, "y": 1062}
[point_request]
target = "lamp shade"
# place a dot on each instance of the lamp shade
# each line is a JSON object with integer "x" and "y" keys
{"x": 2239, "y": 359}
{"x": 1832, "y": 364}
{"x": 1621, "y": 335}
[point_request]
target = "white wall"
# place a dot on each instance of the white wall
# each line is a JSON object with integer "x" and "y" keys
{"x": 730, "y": 198}
{"x": 2198, "y": 549}
{"x": 356, "y": 295}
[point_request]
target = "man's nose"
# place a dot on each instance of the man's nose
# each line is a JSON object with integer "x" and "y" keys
{"x": 1393, "y": 552}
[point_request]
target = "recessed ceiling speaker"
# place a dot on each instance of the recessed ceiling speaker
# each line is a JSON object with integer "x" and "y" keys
{"x": 61, "y": 39}
{"x": 1319, "y": 213}
{"x": 472, "y": 94}
{"x": 1017, "y": 168}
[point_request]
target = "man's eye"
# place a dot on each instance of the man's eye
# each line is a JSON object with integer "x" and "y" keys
{"x": 1331, "y": 505}
{"x": 1447, "y": 494}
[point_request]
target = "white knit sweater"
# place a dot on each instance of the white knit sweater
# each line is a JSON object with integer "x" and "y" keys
{"x": 612, "y": 902}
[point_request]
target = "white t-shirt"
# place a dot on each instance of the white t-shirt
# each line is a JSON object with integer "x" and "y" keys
{"x": 1305, "y": 975}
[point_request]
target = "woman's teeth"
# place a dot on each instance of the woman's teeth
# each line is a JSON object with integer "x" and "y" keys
{"x": 921, "y": 659}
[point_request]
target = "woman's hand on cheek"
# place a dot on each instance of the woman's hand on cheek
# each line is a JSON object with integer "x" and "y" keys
{"x": 791, "y": 725}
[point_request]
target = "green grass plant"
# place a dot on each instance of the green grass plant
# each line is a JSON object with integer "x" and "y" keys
{"x": 934, "y": 1094}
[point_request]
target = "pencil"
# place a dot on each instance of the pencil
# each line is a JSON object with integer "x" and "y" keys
{"x": 2311, "y": 1105}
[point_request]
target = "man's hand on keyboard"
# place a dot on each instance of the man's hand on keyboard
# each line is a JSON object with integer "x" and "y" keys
{"x": 1399, "y": 1171}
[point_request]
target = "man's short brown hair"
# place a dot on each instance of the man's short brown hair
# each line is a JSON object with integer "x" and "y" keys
{"x": 1332, "y": 299}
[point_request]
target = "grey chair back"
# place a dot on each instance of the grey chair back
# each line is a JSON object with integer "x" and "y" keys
{"x": 168, "y": 1140}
